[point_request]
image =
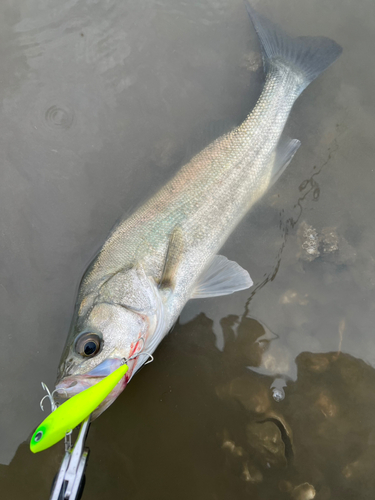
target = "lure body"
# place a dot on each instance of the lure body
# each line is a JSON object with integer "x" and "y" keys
{"x": 74, "y": 411}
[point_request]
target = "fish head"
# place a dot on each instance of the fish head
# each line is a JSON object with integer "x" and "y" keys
{"x": 114, "y": 324}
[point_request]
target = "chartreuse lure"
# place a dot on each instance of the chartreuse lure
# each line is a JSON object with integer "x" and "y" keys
{"x": 74, "y": 411}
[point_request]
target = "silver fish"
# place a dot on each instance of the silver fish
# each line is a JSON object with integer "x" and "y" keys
{"x": 166, "y": 253}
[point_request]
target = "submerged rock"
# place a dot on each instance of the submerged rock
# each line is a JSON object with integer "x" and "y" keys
{"x": 251, "y": 473}
{"x": 317, "y": 442}
{"x": 265, "y": 440}
{"x": 303, "y": 492}
{"x": 327, "y": 243}
{"x": 309, "y": 242}
{"x": 250, "y": 392}
{"x": 329, "y": 240}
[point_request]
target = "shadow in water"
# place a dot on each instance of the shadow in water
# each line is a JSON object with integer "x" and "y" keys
{"x": 200, "y": 423}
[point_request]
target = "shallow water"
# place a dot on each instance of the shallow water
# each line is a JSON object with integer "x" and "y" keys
{"x": 101, "y": 103}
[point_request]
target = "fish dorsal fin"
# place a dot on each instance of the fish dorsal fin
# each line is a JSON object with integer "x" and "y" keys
{"x": 221, "y": 277}
{"x": 175, "y": 252}
{"x": 283, "y": 155}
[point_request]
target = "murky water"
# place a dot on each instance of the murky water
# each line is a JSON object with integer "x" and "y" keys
{"x": 265, "y": 394}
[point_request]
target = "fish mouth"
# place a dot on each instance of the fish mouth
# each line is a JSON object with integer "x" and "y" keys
{"x": 74, "y": 384}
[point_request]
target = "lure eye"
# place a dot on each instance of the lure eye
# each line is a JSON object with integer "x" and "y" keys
{"x": 38, "y": 436}
{"x": 88, "y": 344}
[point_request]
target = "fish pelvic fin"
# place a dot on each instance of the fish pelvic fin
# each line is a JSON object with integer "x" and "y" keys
{"x": 306, "y": 56}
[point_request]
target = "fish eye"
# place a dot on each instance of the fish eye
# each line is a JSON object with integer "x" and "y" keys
{"x": 88, "y": 344}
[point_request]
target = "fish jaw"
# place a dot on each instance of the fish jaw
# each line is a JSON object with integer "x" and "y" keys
{"x": 72, "y": 385}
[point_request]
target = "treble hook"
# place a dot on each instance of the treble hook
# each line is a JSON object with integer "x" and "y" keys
{"x": 49, "y": 396}
{"x": 151, "y": 358}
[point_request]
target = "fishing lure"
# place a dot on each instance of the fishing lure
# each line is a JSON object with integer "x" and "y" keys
{"x": 74, "y": 411}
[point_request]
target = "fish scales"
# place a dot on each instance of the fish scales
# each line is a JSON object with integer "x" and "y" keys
{"x": 209, "y": 195}
{"x": 166, "y": 252}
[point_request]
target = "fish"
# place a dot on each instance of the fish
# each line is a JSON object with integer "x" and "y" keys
{"x": 167, "y": 252}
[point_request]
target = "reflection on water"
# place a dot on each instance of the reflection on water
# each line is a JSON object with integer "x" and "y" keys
{"x": 200, "y": 423}
{"x": 100, "y": 102}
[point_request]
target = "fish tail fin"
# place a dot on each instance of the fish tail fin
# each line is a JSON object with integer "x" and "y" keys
{"x": 306, "y": 56}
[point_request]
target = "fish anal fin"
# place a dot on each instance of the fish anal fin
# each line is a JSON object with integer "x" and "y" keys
{"x": 221, "y": 277}
{"x": 283, "y": 155}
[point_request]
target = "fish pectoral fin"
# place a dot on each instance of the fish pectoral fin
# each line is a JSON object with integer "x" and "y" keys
{"x": 221, "y": 277}
{"x": 175, "y": 253}
{"x": 283, "y": 155}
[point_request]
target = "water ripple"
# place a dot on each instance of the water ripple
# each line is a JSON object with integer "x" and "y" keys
{"x": 58, "y": 117}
